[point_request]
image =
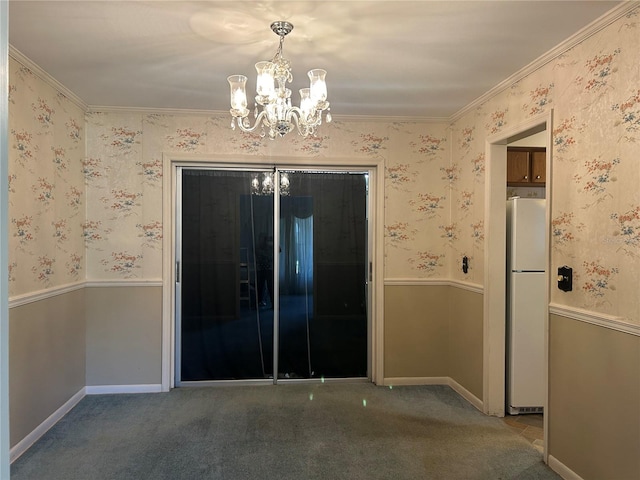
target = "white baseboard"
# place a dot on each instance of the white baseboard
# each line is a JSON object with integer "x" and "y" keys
{"x": 109, "y": 389}
{"x": 562, "y": 470}
{"x": 459, "y": 389}
{"x": 466, "y": 394}
{"x": 416, "y": 381}
{"x": 44, "y": 427}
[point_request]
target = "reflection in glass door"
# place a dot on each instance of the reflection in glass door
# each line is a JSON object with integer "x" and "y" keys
{"x": 253, "y": 282}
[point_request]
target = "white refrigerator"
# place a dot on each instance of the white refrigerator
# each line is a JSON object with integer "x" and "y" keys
{"x": 526, "y": 306}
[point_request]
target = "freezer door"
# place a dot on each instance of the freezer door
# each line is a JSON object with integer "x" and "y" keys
{"x": 526, "y": 234}
{"x": 525, "y": 366}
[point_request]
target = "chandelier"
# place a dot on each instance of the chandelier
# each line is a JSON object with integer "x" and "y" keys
{"x": 262, "y": 184}
{"x": 273, "y": 111}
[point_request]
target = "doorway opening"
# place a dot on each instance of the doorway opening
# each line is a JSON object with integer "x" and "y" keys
{"x": 272, "y": 275}
{"x": 526, "y": 265}
{"x": 495, "y": 390}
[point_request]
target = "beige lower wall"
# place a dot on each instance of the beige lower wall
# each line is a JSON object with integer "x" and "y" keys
{"x": 415, "y": 330}
{"x": 124, "y": 335}
{"x": 434, "y": 331}
{"x": 112, "y": 336}
{"x": 465, "y": 347}
{"x": 46, "y": 359}
{"x": 594, "y": 399}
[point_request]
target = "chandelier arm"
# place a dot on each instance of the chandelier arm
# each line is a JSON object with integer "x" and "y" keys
{"x": 312, "y": 120}
{"x": 257, "y": 123}
{"x": 293, "y": 109}
{"x": 317, "y": 118}
{"x": 294, "y": 119}
{"x": 303, "y": 126}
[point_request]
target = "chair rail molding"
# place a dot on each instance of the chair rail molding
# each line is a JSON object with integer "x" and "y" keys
{"x": 600, "y": 319}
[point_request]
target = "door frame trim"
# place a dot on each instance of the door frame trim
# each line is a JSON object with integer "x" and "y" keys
{"x": 171, "y": 162}
{"x": 494, "y": 302}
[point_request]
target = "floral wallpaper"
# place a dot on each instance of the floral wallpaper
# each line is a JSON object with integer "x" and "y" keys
{"x": 46, "y": 186}
{"x": 86, "y": 189}
{"x": 123, "y": 174}
{"x": 594, "y": 91}
{"x": 417, "y": 201}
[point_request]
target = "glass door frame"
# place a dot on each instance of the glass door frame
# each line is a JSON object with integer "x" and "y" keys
{"x": 178, "y": 278}
{"x": 277, "y": 242}
{"x": 375, "y": 256}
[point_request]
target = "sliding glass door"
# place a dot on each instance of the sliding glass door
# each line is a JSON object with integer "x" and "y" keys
{"x": 223, "y": 331}
{"x": 271, "y": 261}
{"x": 322, "y": 328}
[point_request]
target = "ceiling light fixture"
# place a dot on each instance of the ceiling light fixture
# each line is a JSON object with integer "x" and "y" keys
{"x": 277, "y": 115}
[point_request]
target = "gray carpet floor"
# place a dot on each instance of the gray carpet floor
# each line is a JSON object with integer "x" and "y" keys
{"x": 294, "y": 431}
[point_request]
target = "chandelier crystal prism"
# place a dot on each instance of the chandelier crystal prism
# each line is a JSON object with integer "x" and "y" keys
{"x": 273, "y": 111}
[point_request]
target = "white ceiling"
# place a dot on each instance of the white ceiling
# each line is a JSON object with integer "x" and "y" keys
{"x": 424, "y": 59}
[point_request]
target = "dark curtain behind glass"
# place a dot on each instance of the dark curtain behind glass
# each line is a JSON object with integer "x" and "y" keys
{"x": 323, "y": 317}
{"x": 223, "y": 335}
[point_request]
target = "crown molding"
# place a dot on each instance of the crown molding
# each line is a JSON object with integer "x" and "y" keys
{"x": 220, "y": 113}
{"x": 154, "y": 111}
{"x": 580, "y": 36}
{"x": 388, "y": 119}
{"x": 45, "y": 77}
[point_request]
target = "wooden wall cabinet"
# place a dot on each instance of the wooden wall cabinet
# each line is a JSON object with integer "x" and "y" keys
{"x": 526, "y": 166}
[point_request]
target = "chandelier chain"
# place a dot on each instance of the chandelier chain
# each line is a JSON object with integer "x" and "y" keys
{"x": 278, "y": 55}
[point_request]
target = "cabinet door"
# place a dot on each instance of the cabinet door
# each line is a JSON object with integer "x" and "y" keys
{"x": 538, "y": 167}
{"x": 517, "y": 167}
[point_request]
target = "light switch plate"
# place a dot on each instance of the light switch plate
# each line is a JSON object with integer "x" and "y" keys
{"x": 565, "y": 278}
